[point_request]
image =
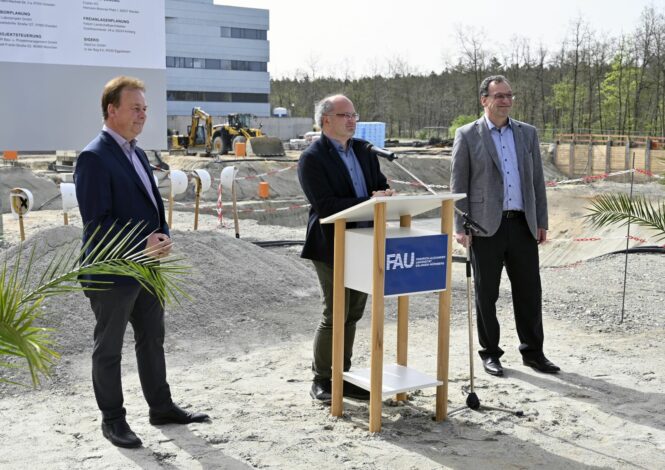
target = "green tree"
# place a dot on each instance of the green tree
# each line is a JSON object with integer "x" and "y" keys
{"x": 617, "y": 87}
{"x": 459, "y": 121}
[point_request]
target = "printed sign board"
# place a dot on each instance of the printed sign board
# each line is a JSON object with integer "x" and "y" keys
{"x": 56, "y": 56}
{"x": 416, "y": 264}
{"x": 108, "y": 33}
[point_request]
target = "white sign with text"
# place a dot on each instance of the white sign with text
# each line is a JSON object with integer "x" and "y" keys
{"x": 110, "y": 33}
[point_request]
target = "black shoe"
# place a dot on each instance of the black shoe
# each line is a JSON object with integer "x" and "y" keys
{"x": 176, "y": 415}
{"x": 541, "y": 364}
{"x": 321, "y": 390}
{"x": 492, "y": 366}
{"x": 353, "y": 391}
{"x": 120, "y": 434}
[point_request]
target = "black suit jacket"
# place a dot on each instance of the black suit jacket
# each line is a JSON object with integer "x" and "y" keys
{"x": 327, "y": 185}
{"x": 110, "y": 193}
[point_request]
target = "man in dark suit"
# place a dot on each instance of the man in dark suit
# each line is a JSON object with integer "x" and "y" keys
{"x": 114, "y": 186}
{"x": 496, "y": 162}
{"x": 336, "y": 172}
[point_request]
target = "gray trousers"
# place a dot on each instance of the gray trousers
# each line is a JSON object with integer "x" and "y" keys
{"x": 354, "y": 306}
{"x": 113, "y": 309}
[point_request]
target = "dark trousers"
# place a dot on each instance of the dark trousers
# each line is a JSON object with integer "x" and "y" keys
{"x": 113, "y": 309}
{"x": 354, "y": 306}
{"x": 514, "y": 247}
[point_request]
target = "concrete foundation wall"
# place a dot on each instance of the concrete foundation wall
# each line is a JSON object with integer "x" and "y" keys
{"x": 576, "y": 160}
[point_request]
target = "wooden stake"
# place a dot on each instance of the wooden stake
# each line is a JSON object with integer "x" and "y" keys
{"x": 337, "y": 406}
{"x": 236, "y": 224}
{"x": 171, "y": 207}
{"x": 403, "y": 319}
{"x": 198, "y": 198}
{"x": 376, "y": 331}
{"x": 66, "y": 218}
{"x": 445, "y": 298}
{"x": 20, "y": 226}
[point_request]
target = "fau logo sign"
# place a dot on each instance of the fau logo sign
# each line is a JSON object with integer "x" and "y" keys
{"x": 400, "y": 261}
{"x": 415, "y": 264}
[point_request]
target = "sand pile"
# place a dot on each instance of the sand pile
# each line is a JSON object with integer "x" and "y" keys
{"x": 234, "y": 288}
{"x": 43, "y": 189}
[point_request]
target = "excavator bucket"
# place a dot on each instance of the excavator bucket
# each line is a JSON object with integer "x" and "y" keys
{"x": 265, "y": 147}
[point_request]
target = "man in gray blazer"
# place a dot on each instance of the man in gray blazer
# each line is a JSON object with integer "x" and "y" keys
{"x": 496, "y": 162}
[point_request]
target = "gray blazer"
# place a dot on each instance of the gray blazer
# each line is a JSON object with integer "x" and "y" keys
{"x": 476, "y": 171}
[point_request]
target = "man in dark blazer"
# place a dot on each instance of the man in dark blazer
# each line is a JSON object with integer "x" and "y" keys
{"x": 336, "y": 172}
{"x": 114, "y": 186}
{"x": 496, "y": 162}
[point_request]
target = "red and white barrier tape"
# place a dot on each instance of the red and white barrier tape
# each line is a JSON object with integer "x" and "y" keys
{"x": 220, "y": 209}
{"x": 597, "y": 239}
{"x": 592, "y": 178}
{"x": 415, "y": 183}
{"x": 269, "y": 173}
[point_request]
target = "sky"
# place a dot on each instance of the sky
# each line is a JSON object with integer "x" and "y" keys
{"x": 355, "y": 37}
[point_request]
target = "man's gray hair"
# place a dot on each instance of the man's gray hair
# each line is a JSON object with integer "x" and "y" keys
{"x": 485, "y": 85}
{"x": 323, "y": 107}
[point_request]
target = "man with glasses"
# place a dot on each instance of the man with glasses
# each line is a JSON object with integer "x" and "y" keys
{"x": 496, "y": 162}
{"x": 336, "y": 172}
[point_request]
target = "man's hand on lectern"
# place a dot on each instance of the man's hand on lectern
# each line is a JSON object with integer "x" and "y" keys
{"x": 385, "y": 192}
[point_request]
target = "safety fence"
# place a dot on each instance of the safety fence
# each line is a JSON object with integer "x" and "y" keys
{"x": 593, "y": 154}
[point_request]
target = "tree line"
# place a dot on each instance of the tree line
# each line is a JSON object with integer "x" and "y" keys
{"x": 591, "y": 84}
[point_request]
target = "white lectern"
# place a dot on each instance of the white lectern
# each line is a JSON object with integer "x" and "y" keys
{"x": 417, "y": 261}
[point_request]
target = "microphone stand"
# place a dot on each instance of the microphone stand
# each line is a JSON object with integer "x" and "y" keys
{"x": 472, "y": 400}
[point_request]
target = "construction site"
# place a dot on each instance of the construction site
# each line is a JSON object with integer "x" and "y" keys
{"x": 255, "y": 304}
{"x": 224, "y": 139}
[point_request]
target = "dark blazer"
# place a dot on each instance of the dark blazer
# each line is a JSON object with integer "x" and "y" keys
{"x": 327, "y": 185}
{"x": 109, "y": 191}
{"x": 476, "y": 171}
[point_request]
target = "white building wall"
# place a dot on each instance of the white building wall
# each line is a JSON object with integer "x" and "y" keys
{"x": 193, "y": 29}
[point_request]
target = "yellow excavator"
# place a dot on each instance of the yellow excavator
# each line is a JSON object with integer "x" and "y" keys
{"x": 199, "y": 135}
{"x": 219, "y": 139}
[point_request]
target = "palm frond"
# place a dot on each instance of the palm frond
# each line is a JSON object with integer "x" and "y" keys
{"x": 18, "y": 336}
{"x": 115, "y": 253}
{"x": 609, "y": 209}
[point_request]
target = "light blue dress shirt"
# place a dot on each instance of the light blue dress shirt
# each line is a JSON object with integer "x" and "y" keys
{"x": 349, "y": 158}
{"x": 504, "y": 142}
{"x": 129, "y": 149}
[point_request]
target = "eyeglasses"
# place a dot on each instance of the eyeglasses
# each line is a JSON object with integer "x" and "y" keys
{"x": 502, "y": 96}
{"x": 354, "y": 116}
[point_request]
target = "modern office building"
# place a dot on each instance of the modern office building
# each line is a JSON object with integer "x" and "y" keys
{"x": 217, "y": 58}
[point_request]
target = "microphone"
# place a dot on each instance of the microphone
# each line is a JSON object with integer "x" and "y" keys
{"x": 468, "y": 221}
{"x": 383, "y": 153}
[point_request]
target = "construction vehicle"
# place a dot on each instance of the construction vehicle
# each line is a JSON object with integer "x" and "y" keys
{"x": 219, "y": 139}
{"x": 199, "y": 135}
{"x": 238, "y": 129}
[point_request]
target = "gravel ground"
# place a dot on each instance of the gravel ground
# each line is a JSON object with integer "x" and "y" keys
{"x": 241, "y": 350}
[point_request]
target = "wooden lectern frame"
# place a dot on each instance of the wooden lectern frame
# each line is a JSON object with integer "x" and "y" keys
{"x": 380, "y": 210}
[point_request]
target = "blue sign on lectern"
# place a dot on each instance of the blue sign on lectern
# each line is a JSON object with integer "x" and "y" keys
{"x": 416, "y": 264}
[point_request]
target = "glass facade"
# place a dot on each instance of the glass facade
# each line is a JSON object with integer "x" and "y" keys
{"x": 215, "y": 64}
{"x": 217, "y": 96}
{"x": 243, "y": 33}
